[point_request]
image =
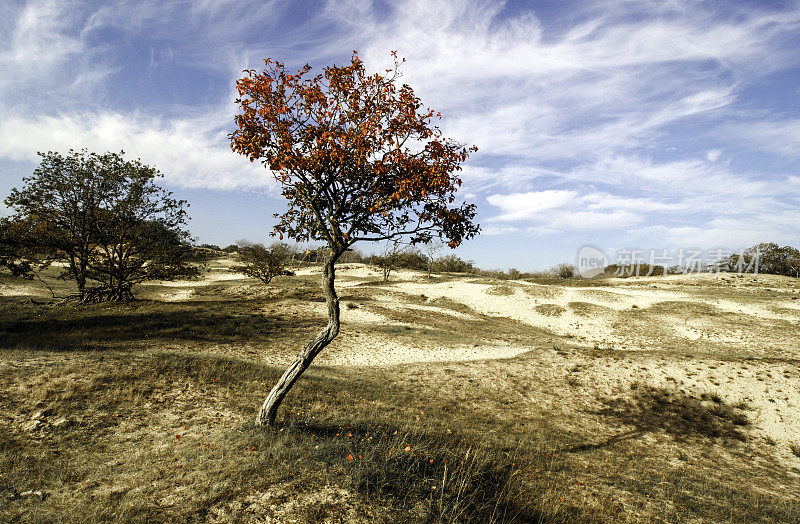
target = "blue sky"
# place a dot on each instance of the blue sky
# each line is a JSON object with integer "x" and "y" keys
{"x": 622, "y": 124}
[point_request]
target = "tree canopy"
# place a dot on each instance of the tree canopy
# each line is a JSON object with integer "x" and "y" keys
{"x": 766, "y": 257}
{"x": 264, "y": 263}
{"x": 357, "y": 157}
{"x": 18, "y": 251}
{"x": 107, "y": 218}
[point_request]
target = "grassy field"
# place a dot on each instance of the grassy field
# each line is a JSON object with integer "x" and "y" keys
{"x": 459, "y": 399}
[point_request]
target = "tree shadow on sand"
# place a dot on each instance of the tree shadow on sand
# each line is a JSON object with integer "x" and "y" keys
{"x": 664, "y": 410}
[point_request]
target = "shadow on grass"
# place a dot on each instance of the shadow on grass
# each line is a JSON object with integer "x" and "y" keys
{"x": 416, "y": 472}
{"x": 102, "y": 326}
{"x": 656, "y": 410}
{"x": 425, "y": 475}
{"x": 349, "y": 429}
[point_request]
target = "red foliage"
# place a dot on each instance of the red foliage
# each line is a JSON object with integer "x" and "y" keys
{"x": 357, "y": 156}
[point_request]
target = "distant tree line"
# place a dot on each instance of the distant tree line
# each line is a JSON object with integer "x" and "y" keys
{"x": 766, "y": 257}
{"x": 279, "y": 256}
{"x": 111, "y": 227}
{"x": 391, "y": 257}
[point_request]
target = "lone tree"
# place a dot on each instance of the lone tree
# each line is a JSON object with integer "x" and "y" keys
{"x": 389, "y": 258}
{"x": 264, "y": 263}
{"x": 107, "y": 218}
{"x": 358, "y": 159}
{"x": 777, "y": 260}
{"x": 766, "y": 257}
{"x": 431, "y": 248}
{"x": 13, "y": 249}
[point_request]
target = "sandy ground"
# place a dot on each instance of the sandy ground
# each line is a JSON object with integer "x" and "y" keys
{"x": 738, "y": 337}
{"x": 591, "y": 314}
{"x": 219, "y": 271}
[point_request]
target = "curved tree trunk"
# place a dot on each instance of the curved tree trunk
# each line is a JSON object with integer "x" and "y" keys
{"x": 269, "y": 410}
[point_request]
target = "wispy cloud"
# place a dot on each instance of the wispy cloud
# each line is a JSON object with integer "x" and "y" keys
{"x": 779, "y": 136}
{"x": 637, "y": 120}
{"x": 187, "y": 152}
{"x": 61, "y": 71}
{"x": 45, "y": 60}
{"x": 518, "y": 206}
{"x": 606, "y": 84}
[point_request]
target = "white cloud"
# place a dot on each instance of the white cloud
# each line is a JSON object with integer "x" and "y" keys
{"x": 513, "y": 177}
{"x": 689, "y": 199}
{"x": 608, "y": 84}
{"x": 188, "y": 153}
{"x": 491, "y": 230}
{"x": 45, "y": 60}
{"x": 773, "y": 135}
{"x": 731, "y": 233}
{"x": 519, "y": 206}
{"x": 52, "y": 57}
{"x": 676, "y": 179}
{"x": 586, "y": 126}
{"x": 602, "y": 201}
{"x": 592, "y": 220}
{"x": 561, "y": 210}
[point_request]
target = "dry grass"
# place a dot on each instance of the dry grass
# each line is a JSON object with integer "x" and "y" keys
{"x": 166, "y": 437}
{"x": 142, "y": 412}
{"x": 501, "y": 290}
{"x": 552, "y": 310}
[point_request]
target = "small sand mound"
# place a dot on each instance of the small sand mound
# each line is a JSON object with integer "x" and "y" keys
{"x": 501, "y": 290}
{"x": 540, "y": 291}
{"x": 551, "y": 310}
{"x": 377, "y": 350}
{"x": 586, "y": 309}
{"x": 439, "y": 310}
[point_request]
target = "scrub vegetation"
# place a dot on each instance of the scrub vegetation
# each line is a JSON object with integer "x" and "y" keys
{"x": 451, "y": 404}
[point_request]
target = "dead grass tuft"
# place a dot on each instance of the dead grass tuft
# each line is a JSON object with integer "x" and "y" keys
{"x": 550, "y": 310}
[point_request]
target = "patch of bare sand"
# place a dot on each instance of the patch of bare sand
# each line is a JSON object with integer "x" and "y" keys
{"x": 559, "y": 318}
{"x": 184, "y": 289}
{"x": 593, "y": 315}
{"x": 766, "y": 392}
{"x": 779, "y": 310}
{"x": 21, "y": 288}
{"x": 353, "y": 274}
{"x": 440, "y": 310}
{"x": 378, "y": 350}
{"x": 205, "y": 279}
{"x": 16, "y": 290}
{"x": 356, "y": 346}
{"x": 177, "y": 295}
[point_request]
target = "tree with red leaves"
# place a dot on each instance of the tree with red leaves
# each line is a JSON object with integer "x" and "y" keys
{"x": 358, "y": 158}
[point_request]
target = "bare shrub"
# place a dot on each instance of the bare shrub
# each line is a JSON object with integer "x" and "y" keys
{"x": 264, "y": 263}
{"x": 563, "y": 270}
